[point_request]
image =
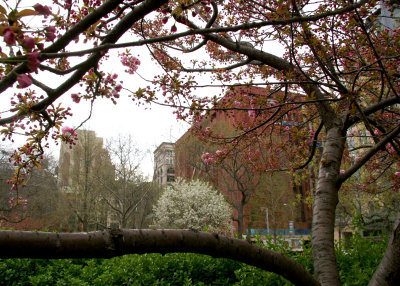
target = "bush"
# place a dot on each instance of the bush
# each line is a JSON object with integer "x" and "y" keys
{"x": 356, "y": 266}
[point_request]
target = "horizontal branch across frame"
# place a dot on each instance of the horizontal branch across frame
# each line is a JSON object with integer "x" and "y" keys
{"x": 116, "y": 242}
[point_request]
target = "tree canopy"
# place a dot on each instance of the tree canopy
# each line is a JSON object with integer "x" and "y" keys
{"x": 334, "y": 71}
{"x": 193, "y": 205}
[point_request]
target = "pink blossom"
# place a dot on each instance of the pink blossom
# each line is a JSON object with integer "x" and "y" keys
{"x": 68, "y": 4}
{"x": 68, "y": 131}
{"x": 252, "y": 113}
{"x": 33, "y": 61}
{"x": 50, "y": 33}
{"x": 342, "y": 171}
{"x": 118, "y": 87}
{"x": 236, "y": 103}
{"x": 28, "y": 43}
{"x": 376, "y": 132}
{"x": 173, "y": 28}
{"x": 131, "y": 62}
{"x": 208, "y": 158}
{"x": 42, "y": 10}
{"x": 75, "y": 97}
{"x": 219, "y": 152}
{"x": 9, "y": 36}
{"x": 24, "y": 80}
{"x": 207, "y": 129}
{"x": 397, "y": 174}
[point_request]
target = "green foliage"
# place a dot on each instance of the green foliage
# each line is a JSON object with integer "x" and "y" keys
{"x": 358, "y": 262}
{"x": 356, "y": 266}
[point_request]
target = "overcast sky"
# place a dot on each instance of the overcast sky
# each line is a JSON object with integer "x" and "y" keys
{"x": 149, "y": 126}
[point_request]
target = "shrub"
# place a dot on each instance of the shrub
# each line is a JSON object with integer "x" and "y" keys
{"x": 356, "y": 266}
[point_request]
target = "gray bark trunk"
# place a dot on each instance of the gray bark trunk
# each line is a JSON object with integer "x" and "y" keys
{"x": 240, "y": 221}
{"x": 388, "y": 271}
{"x": 326, "y": 199}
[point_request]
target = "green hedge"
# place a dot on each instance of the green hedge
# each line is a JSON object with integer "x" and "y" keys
{"x": 356, "y": 266}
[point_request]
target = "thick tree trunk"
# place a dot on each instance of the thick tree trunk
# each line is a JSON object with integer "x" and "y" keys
{"x": 110, "y": 243}
{"x": 326, "y": 199}
{"x": 388, "y": 271}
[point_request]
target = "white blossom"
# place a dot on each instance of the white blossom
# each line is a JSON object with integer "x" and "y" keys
{"x": 193, "y": 205}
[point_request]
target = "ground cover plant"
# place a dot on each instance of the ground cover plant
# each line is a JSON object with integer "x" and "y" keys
{"x": 356, "y": 265}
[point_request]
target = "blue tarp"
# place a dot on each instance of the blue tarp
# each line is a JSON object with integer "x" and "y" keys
{"x": 279, "y": 231}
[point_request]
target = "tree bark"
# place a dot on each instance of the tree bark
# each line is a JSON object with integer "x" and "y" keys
{"x": 326, "y": 199}
{"x": 110, "y": 243}
{"x": 240, "y": 220}
{"x": 388, "y": 271}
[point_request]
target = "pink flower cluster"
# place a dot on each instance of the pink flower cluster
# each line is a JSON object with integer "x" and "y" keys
{"x": 68, "y": 131}
{"x": 24, "y": 80}
{"x": 9, "y": 36}
{"x": 17, "y": 202}
{"x": 76, "y": 97}
{"x": 28, "y": 43}
{"x": 42, "y": 10}
{"x": 252, "y": 112}
{"x": 110, "y": 80}
{"x": 131, "y": 62}
{"x": 33, "y": 61}
{"x": 50, "y": 33}
{"x": 208, "y": 158}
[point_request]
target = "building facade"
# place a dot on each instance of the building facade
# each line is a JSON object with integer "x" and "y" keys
{"x": 269, "y": 202}
{"x": 84, "y": 169}
{"x": 85, "y": 154}
{"x": 164, "y": 163}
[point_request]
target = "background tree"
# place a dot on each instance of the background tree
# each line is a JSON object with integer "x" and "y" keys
{"x": 192, "y": 205}
{"x": 236, "y": 174}
{"x": 81, "y": 169}
{"x": 39, "y": 205}
{"x": 233, "y": 176}
{"x": 275, "y": 196}
{"x": 129, "y": 197}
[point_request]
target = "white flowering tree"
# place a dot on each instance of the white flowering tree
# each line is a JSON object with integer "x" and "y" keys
{"x": 193, "y": 205}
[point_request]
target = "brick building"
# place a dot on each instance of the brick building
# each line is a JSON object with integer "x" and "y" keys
{"x": 268, "y": 204}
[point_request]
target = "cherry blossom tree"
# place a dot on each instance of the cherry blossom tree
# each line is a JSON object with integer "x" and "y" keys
{"x": 336, "y": 64}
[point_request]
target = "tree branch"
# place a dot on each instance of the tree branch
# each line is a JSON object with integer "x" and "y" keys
{"x": 110, "y": 243}
{"x": 360, "y": 162}
{"x": 62, "y": 42}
